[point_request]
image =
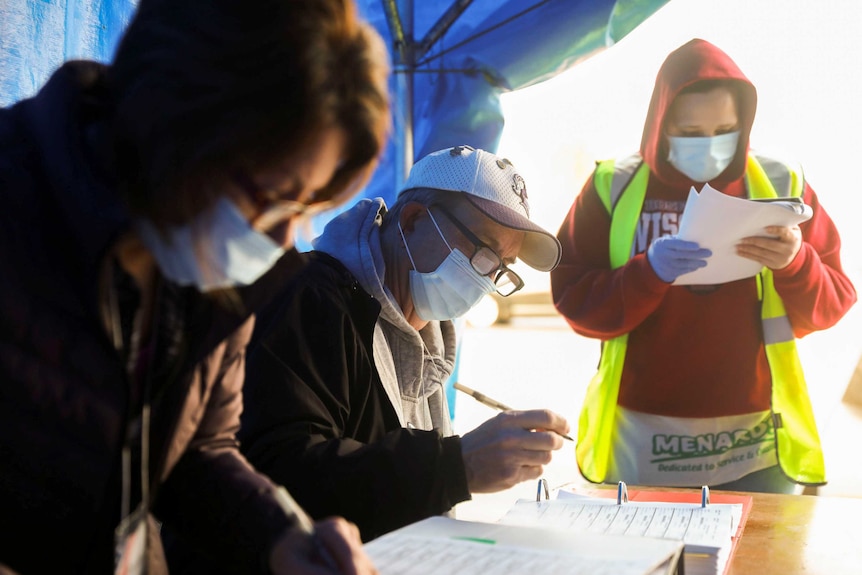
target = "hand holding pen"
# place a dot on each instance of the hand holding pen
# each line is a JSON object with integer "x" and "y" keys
{"x": 510, "y": 448}
{"x": 336, "y": 546}
{"x": 484, "y": 399}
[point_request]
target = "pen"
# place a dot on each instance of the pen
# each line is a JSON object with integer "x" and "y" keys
{"x": 291, "y": 507}
{"x": 482, "y": 398}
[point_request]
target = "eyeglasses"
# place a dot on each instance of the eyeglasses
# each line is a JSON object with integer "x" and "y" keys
{"x": 486, "y": 261}
{"x": 272, "y": 208}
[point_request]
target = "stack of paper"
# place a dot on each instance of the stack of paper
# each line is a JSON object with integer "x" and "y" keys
{"x": 442, "y": 545}
{"x": 707, "y": 532}
{"x": 718, "y": 222}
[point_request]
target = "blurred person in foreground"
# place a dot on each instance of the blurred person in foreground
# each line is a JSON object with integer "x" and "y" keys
{"x": 697, "y": 384}
{"x": 345, "y": 404}
{"x": 149, "y": 208}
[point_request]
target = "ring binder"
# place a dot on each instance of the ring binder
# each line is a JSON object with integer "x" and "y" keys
{"x": 543, "y": 483}
{"x": 622, "y": 493}
{"x": 709, "y": 527}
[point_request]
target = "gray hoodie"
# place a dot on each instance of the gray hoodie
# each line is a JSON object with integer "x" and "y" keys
{"x": 413, "y": 365}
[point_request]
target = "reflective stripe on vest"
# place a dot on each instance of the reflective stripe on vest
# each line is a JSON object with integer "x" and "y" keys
{"x": 621, "y": 186}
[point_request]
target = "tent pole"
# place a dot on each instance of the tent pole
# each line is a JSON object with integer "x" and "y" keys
{"x": 399, "y": 17}
{"x": 405, "y": 90}
{"x": 440, "y": 27}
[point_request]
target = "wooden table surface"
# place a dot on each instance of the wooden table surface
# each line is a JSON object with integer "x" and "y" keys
{"x": 800, "y": 535}
{"x": 797, "y": 535}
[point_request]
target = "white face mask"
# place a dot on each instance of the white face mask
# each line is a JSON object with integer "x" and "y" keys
{"x": 702, "y": 158}
{"x": 450, "y": 290}
{"x": 217, "y": 249}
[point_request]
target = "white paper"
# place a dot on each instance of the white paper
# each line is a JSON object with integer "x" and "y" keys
{"x": 711, "y": 526}
{"x": 706, "y": 531}
{"x": 718, "y": 222}
{"x": 442, "y": 545}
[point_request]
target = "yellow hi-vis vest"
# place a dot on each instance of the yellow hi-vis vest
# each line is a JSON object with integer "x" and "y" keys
{"x": 622, "y": 186}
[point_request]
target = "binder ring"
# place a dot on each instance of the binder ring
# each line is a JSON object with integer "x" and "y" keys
{"x": 622, "y": 493}
{"x": 543, "y": 483}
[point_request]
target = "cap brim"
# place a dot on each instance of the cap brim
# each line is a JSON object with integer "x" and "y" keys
{"x": 541, "y": 250}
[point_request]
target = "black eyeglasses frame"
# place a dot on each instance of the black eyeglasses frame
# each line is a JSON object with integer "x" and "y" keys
{"x": 502, "y": 271}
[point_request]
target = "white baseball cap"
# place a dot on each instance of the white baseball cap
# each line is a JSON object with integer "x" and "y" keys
{"x": 495, "y": 188}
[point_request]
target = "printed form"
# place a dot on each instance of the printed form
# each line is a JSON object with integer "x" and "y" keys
{"x": 708, "y": 531}
{"x": 419, "y": 555}
{"x": 710, "y": 526}
{"x": 444, "y": 545}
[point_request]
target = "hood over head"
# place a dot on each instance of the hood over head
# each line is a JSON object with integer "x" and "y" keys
{"x": 694, "y": 61}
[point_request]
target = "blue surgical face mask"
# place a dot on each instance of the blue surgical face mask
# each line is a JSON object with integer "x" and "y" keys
{"x": 450, "y": 290}
{"x": 217, "y": 249}
{"x": 702, "y": 158}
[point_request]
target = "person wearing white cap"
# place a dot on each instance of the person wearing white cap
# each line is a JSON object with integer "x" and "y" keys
{"x": 344, "y": 397}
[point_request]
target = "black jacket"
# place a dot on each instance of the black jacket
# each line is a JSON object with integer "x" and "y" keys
{"x": 64, "y": 386}
{"x": 318, "y": 421}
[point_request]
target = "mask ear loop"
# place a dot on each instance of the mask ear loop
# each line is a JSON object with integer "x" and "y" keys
{"x": 434, "y": 221}
{"x": 403, "y": 239}
{"x": 442, "y": 237}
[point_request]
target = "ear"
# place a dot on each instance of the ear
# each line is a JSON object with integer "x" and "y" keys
{"x": 411, "y": 213}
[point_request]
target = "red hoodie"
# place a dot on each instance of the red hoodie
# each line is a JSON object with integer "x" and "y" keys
{"x": 694, "y": 351}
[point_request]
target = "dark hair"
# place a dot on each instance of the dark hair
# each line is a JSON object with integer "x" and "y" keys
{"x": 710, "y": 84}
{"x": 202, "y": 88}
{"x": 735, "y": 87}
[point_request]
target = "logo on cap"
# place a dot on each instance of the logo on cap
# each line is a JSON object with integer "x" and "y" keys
{"x": 519, "y": 186}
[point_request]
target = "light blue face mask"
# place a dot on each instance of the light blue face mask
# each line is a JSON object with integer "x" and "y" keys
{"x": 218, "y": 249}
{"x": 451, "y": 289}
{"x": 702, "y": 158}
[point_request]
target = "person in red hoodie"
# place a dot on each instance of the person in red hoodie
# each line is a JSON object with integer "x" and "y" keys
{"x": 697, "y": 384}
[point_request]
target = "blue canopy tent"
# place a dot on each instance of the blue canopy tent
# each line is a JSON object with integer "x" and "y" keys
{"x": 36, "y": 37}
{"x": 452, "y": 60}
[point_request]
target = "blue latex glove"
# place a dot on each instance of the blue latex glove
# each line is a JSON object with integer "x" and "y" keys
{"x": 670, "y": 257}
